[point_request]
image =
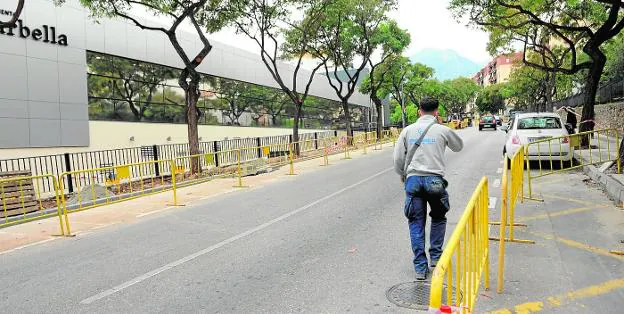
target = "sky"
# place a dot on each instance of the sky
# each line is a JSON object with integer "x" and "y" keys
{"x": 432, "y": 26}
{"x": 429, "y": 22}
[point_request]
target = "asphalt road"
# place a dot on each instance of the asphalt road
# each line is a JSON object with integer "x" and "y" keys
{"x": 332, "y": 240}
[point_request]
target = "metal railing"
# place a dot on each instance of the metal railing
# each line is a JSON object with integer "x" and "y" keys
{"x": 607, "y": 93}
{"x": 68, "y": 162}
{"x": 21, "y": 201}
{"x": 457, "y": 275}
{"x": 604, "y": 146}
{"x": 100, "y": 186}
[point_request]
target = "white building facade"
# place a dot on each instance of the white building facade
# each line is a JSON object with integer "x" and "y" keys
{"x": 44, "y": 88}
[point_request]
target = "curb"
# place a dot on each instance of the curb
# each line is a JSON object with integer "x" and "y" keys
{"x": 610, "y": 185}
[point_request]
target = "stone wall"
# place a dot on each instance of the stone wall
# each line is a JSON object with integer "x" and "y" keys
{"x": 607, "y": 116}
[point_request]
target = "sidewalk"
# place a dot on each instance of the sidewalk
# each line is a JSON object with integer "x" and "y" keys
{"x": 570, "y": 268}
{"x": 46, "y": 230}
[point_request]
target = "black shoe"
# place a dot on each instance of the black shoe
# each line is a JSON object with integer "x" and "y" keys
{"x": 421, "y": 276}
{"x": 434, "y": 264}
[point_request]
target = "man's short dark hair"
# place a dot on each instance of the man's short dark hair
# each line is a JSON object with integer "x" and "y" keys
{"x": 429, "y": 104}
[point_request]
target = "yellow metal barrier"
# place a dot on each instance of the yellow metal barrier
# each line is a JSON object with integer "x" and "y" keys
{"x": 465, "y": 259}
{"x": 559, "y": 151}
{"x": 22, "y": 200}
{"x": 511, "y": 192}
{"x": 107, "y": 185}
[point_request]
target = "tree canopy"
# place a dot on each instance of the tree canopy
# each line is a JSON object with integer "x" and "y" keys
{"x": 491, "y": 99}
{"x": 567, "y": 36}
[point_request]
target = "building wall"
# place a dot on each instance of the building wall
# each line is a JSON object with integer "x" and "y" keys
{"x": 110, "y": 135}
{"x": 503, "y": 72}
{"x": 43, "y": 103}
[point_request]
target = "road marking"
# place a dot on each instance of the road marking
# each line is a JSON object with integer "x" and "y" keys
{"x": 154, "y": 212}
{"x": 29, "y": 245}
{"x": 566, "y": 298}
{"x": 559, "y": 213}
{"x": 496, "y": 183}
{"x": 499, "y": 170}
{"x": 573, "y": 200}
{"x": 578, "y": 245}
{"x": 223, "y": 243}
{"x": 492, "y": 203}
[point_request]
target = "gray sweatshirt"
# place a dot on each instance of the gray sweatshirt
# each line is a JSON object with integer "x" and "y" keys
{"x": 429, "y": 157}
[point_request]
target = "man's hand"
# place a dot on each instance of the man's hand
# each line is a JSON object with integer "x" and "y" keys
{"x": 439, "y": 119}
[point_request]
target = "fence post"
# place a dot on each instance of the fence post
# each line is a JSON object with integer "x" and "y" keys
{"x": 315, "y": 141}
{"x": 156, "y": 164}
{"x": 215, "y": 146}
{"x": 70, "y": 184}
{"x": 258, "y": 143}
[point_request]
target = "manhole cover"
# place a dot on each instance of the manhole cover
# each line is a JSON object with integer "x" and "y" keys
{"x": 415, "y": 295}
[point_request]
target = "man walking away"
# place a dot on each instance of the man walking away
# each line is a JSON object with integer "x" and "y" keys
{"x": 419, "y": 160}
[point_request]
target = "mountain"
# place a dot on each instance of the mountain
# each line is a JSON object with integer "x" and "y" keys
{"x": 448, "y": 64}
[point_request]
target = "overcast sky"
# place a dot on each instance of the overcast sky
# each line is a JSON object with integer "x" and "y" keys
{"x": 432, "y": 26}
{"x": 428, "y": 21}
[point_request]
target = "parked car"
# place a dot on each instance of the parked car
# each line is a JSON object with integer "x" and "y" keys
{"x": 487, "y": 122}
{"x": 499, "y": 120}
{"x": 526, "y": 128}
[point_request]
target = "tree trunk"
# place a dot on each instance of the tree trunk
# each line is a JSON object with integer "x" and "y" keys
{"x": 403, "y": 116}
{"x": 295, "y": 137}
{"x": 591, "y": 89}
{"x": 379, "y": 109}
{"x": 621, "y": 152}
{"x": 347, "y": 117}
{"x": 192, "y": 96}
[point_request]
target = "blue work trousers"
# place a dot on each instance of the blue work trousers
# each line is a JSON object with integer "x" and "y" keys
{"x": 419, "y": 191}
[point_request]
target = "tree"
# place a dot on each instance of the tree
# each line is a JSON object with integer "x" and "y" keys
{"x": 461, "y": 91}
{"x": 346, "y": 39}
{"x": 16, "y": 14}
{"x": 491, "y": 99}
{"x": 614, "y": 68}
{"x": 137, "y": 83}
{"x": 236, "y": 98}
{"x": 410, "y": 114}
{"x": 555, "y": 31}
{"x": 533, "y": 89}
{"x": 203, "y": 15}
{"x": 266, "y": 22}
{"x": 416, "y": 86}
{"x": 398, "y": 72}
{"x": 393, "y": 40}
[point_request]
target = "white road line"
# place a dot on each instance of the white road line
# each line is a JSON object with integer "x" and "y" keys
{"x": 29, "y": 245}
{"x": 223, "y": 243}
{"x": 154, "y": 212}
{"x": 493, "y": 201}
{"x": 499, "y": 170}
{"x": 496, "y": 183}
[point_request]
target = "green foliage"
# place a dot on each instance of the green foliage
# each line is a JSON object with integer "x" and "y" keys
{"x": 614, "y": 69}
{"x": 566, "y": 37}
{"x": 344, "y": 39}
{"x": 459, "y": 93}
{"x": 491, "y": 99}
{"x": 411, "y": 114}
{"x": 212, "y": 15}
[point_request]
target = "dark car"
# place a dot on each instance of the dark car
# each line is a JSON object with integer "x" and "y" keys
{"x": 487, "y": 122}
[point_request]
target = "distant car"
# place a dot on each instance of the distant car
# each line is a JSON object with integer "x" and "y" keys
{"x": 487, "y": 122}
{"x": 526, "y": 128}
{"x": 499, "y": 120}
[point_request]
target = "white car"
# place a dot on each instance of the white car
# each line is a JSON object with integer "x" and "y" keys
{"x": 526, "y": 128}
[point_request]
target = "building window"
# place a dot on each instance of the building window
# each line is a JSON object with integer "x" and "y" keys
{"x": 122, "y": 89}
